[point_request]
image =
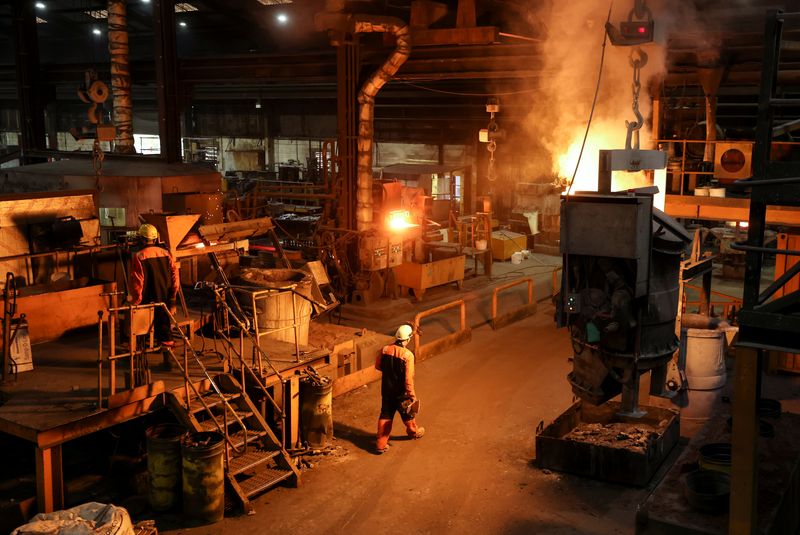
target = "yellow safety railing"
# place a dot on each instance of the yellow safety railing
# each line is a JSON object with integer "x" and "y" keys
{"x": 515, "y": 315}
{"x": 464, "y": 334}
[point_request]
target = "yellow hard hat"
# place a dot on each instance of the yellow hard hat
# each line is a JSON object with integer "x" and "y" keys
{"x": 148, "y": 232}
{"x": 404, "y": 332}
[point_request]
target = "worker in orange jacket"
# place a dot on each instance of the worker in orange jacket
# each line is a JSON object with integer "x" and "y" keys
{"x": 396, "y": 364}
{"x": 154, "y": 278}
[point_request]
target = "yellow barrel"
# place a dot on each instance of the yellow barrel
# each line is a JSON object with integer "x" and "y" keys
{"x": 203, "y": 476}
{"x": 164, "y": 465}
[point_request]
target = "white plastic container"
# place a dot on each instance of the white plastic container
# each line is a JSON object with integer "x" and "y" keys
{"x": 516, "y": 258}
{"x": 716, "y": 192}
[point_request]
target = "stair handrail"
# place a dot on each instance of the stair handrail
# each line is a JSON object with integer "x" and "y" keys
{"x": 187, "y": 344}
{"x": 244, "y": 328}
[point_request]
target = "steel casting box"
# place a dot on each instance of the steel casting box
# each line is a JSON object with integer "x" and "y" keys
{"x": 558, "y": 446}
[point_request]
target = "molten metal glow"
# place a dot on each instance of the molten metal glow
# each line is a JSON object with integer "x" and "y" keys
{"x": 602, "y": 136}
{"x": 399, "y": 220}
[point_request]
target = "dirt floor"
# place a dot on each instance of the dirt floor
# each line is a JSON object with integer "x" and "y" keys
{"x": 473, "y": 470}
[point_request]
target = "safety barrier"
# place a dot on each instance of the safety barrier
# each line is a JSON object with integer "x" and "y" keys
{"x": 524, "y": 311}
{"x": 464, "y": 334}
{"x": 730, "y": 304}
{"x": 556, "y": 281}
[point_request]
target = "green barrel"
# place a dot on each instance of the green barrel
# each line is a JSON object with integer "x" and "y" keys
{"x": 316, "y": 413}
{"x": 203, "y": 476}
{"x": 164, "y": 465}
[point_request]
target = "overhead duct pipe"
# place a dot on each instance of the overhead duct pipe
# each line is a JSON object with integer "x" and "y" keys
{"x": 351, "y": 23}
{"x": 120, "y": 75}
{"x": 710, "y": 71}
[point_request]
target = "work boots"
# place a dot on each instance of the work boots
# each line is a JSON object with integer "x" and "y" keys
{"x": 413, "y": 430}
{"x": 384, "y": 431}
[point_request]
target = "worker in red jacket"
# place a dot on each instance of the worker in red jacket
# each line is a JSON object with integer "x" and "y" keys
{"x": 154, "y": 278}
{"x": 396, "y": 364}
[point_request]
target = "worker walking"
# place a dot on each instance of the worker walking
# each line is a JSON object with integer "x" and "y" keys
{"x": 396, "y": 363}
{"x": 154, "y": 278}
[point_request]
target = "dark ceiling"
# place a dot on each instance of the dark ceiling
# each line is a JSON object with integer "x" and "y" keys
{"x": 237, "y": 50}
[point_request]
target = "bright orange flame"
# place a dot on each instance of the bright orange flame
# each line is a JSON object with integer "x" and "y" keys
{"x": 399, "y": 220}
{"x": 607, "y": 135}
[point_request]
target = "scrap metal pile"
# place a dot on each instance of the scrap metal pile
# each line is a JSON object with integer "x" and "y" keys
{"x": 637, "y": 437}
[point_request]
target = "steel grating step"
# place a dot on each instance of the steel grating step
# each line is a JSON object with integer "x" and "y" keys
{"x": 237, "y": 438}
{"x": 263, "y": 480}
{"x": 250, "y": 460}
{"x": 212, "y": 400}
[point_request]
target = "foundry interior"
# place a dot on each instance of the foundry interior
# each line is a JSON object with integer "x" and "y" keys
{"x": 220, "y": 220}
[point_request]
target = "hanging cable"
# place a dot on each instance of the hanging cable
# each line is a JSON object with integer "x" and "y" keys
{"x": 594, "y": 104}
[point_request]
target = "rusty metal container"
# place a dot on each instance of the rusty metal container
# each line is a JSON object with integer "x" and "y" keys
{"x": 316, "y": 413}
{"x": 164, "y": 465}
{"x": 562, "y": 446}
{"x": 203, "y": 476}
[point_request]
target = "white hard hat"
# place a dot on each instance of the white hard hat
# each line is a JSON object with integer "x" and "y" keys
{"x": 404, "y": 332}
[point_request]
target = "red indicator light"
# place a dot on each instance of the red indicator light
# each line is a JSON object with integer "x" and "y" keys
{"x": 642, "y": 29}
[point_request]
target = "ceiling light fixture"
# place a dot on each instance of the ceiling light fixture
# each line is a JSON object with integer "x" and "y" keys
{"x": 96, "y": 31}
{"x": 40, "y": 5}
{"x": 282, "y": 18}
{"x": 182, "y": 24}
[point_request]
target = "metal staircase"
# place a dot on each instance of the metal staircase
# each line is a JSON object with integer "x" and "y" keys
{"x": 255, "y": 459}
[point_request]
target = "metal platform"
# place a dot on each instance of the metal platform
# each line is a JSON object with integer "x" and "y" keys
{"x": 57, "y": 401}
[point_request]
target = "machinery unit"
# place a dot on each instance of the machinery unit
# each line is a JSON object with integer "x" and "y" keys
{"x": 619, "y": 293}
{"x": 732, "y": 161}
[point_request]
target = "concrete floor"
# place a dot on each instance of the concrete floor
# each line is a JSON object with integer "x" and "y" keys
{"x": 473, "y": 471}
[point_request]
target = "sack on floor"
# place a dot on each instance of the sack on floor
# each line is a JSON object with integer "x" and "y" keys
{"x": 88, "y": 519}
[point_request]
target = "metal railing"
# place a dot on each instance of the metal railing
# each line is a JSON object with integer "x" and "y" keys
{"x": 184, "y": 367}
{"x": 524, "y": 311}
{"x": 464, "y": 334}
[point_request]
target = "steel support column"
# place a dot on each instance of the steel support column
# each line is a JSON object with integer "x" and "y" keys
{"x": 347, "y": 67}
{"x": 31, "y": 114}
{"x": 744, "y": 468}
{"x": 49, "y": 479}
{"x": 169, "y": 126}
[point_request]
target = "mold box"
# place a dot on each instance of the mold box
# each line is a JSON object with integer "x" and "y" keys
{"x": 591, "y": 441}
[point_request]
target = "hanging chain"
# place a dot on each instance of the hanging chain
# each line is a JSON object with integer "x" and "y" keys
{"x": 491, "y": 146}
{"x": 640, "y": 11}
{"x": 638, "y": 59}
{"x": 97, "y": 163}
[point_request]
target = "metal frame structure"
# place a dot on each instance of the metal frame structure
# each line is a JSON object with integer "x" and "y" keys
{"x": 763, "y": 323}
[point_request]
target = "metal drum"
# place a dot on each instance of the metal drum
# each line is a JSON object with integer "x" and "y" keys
{"x": 164, "y": 465}
{"x": 316, "y": 412}
{"x": 203, "y": 476}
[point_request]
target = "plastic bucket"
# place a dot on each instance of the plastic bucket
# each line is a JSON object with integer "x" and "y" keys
{"x": 164, "y": 465}
{"x": 516, "y": 258}
{"x": 203, "y": 476}
{"x": 316, "y": 413}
